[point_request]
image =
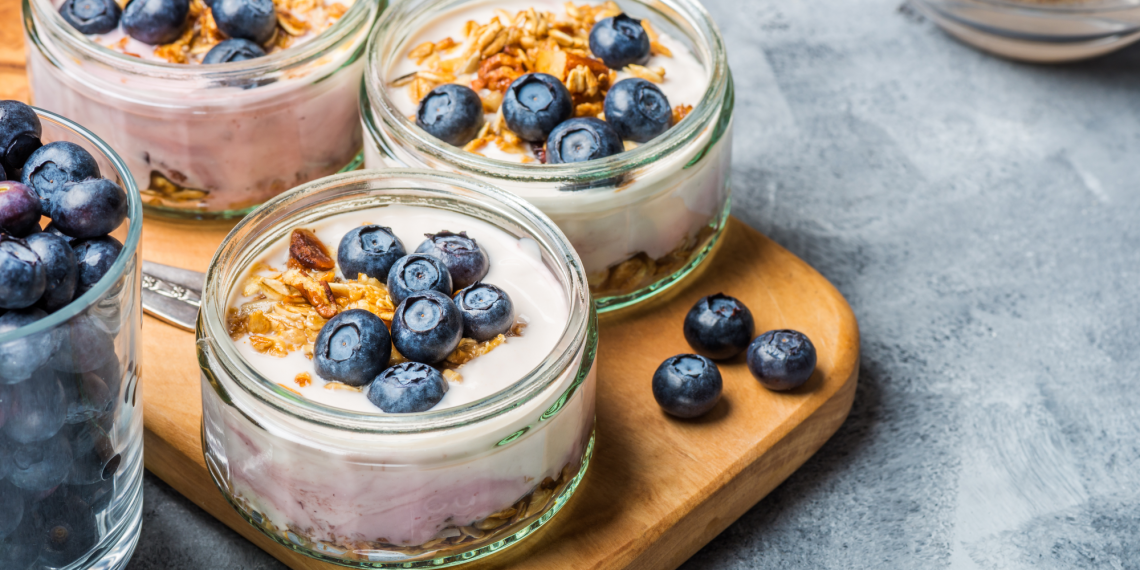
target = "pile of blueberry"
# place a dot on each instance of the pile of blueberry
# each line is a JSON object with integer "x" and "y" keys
{"x": 538, "y": 107}
{"x": 249, "y": 24}
{"x": 57, "y": 387}
{"x": 720, "y": 327}
{"x": 440, "y": 299}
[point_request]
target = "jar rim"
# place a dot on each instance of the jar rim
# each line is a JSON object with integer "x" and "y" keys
{"x": 130, "y": 246}
{"x": 576, "y": 339}
{"x": 392, "y": 26}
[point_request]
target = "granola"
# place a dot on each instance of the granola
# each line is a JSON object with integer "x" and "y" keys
{"x": 640, "y": 270}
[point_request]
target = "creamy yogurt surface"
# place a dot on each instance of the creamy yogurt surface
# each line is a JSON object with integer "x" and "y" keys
{"x": 516, "y": 266}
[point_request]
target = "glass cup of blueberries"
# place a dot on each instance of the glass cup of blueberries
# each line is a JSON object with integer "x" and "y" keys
{"x": 70, "y": 413}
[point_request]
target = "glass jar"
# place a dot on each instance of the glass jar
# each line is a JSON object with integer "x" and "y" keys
{"x": 1047, "y": 31}
{"x": 74, "y": 498}
{"x": 396, "y": 490}
{"x": 209, "y": 141}
{"x": 641, "y": 219}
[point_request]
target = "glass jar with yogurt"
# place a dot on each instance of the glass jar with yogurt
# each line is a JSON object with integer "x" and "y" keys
{"x": 209, "y": 141}
{"x": 640, "y": 219}
{"x": 320, "y": 468}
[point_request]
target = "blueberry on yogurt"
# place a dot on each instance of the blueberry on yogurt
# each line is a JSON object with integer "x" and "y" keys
{"x": 54, "y": 165}
{"x": 352, "y": 348}
{"x": 620, "y": 41}
{"x": 637, "y": 110}
{"x": 781, "y": 359}
{"x": 91, "y": 16}
{"x": 427, "y": 327}
{"x": 534, "y": 104}
{"x": 451, "y": 113}
{"x": 406, "y": 388}
{"x": 487, "y": 311}
{"x": 465, "y": 260}
{"x": 253, "y": 20}
{"x": 60, "y": 270}
{"x": 371, "y": 250}
{"x": 90, "y": 208}
{"x": 687, "y": 385}
{"x": 155, "y": 22}
{"x": 94, "y": 258}
{"x": 719, "y": 326}
{"x": 582, "y": 139}
{"x": 20, "y": 209}
{"x": 231, "y": 50}
{"x": 20, "y": 131}
{"x": 415, "y": 273}
{"x": 22, "y": 276}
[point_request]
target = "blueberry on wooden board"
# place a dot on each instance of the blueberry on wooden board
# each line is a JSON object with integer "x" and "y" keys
{"x": 781, "y": 359}
{"x": 687, "y": 385}
{"x": 719, "y": 327}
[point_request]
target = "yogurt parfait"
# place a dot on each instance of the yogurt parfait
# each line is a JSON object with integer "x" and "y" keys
{"x": 216, "y": 105}
{"x": 397, "y": 367}
{"x": 613, "y": 119}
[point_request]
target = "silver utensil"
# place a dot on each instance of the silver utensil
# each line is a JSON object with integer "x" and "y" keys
{"x": 172, "y": 294}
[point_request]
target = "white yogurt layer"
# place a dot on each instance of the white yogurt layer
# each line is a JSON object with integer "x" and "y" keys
{"x": 516, "y": 267}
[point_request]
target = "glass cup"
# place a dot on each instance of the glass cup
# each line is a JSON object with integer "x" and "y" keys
{"x": 71, "y": 412}
{"x": 376, "y": 490}
{"x": 641, "y": 220}
{"x": 209, "y": 141}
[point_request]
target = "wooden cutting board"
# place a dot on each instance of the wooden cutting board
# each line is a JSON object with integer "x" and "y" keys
{"x": 658, "y": 489}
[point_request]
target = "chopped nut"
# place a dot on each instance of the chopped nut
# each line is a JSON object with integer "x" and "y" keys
{"x": 680, "y": 112}
{"x": 307, "y": 249}
{"x": 341, "y": 386}
{"x": 303, "y": 379}
{"x": 469, "y": 349}
{"x": 654, "y": 74}
{"x": 451, "y": 375}
{"x": 317, "y": 293}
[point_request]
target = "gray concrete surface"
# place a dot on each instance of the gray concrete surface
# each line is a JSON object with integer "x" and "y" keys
{"x": 982, "y": 218}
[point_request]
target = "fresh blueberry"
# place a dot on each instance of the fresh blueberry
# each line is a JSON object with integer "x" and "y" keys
{"x": 466, "y": 262}
{"x": 582, "y": 139}
{"x": 370, "y": 250}
{"x": 638, "y": 110}
{"x": 687, "y": 385}
{"x": 155, "y": 22}
{"x": 781, "y": 359}
{"x": 12, "y": 505}
{"x": 21, "y": 549}
{"x": 231, "y": 50}
{"x": 487, "y": 311}
{"x": 55, "y": 164}
{"x": 94, "y": 258}
{"x": 67, "y": 527}
{"x": 20, "y": 131}
{"x": 451, "y": 113}
{"x": 41, "y": 465}
{"x": 91, "y": 16}
{"x": 90, "y": 208}
{"x": 37, "y": 408}
{"x": 253, "y": 20}
{"x": 352, "y": 347}
{"x": 19, "y": 209}
{"x": 98, "y": 495}
{"x": 21, "y": 357}
{"x": 406, "y": 388}
{"x": 94, "y": 455}
{"x": 54, "y": 230}
{"x": 22, "y": 276}
{"x": 84, "y": 346}
{"x": 620, "y": 41}
{"x": 88, "y": 396}
{"x": 719, "y": 327}
{"x": 427, "y": 327}
{"x": 60, "y": 270}
{"x": 418, "y": 272}
{"x": 534, "y": 104}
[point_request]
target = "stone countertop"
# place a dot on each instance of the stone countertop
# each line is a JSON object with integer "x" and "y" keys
{"x": 982, "y": 218}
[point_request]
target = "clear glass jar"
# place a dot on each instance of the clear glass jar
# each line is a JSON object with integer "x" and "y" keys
{"x": 209, "y": 141}
{"x": 1045, "y": 31}
{"x": 641, "y": 219}
{"x": 396, "y": 490}
{"x": 74, "y": 499}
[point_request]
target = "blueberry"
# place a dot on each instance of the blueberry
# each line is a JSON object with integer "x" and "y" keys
{"x": 91, "y": 16}
{"x": 781, "y": 359}
{"x": 466, "y": 262}
{"x": 687, "y": 385}
{"x": 155, "y": 22}
{"x": 370, "y": 250}
{"x": 55, "y": 164}
{"x": 67, "y": 528}
{"x": 94, "y": 258}
{"x": 60, "y": 270}
{"x": 94, "y": 456}
{"x": 20, "y": 131}
{"x": 21, "y": 357}
{"x": 427, "y": 327}
{"x": 54, "y": 230}
{"x": 418, "y": 272}
{"x": 22, "y": 276}
{"x": 719, "y": 327}
{"x": 620, "y": 41}
{"x": 84, "y": 346}
{"x": 20, "y": 549}
{"x": 534, "y": 104}
{"x": 37, "y": 408}
{"x": 231, "y": 50}
{"x": 487, "y": 311}
{"x": 352, "y": 347}
{"x": 253, "y": 20}
{"x": 12, "y": 505}
{"x": 19, "y": 209}
{"x": 406, "y": 388}
{"x": 90, "y": 208}
{"x": 87, "y": 395}
{"x": 582, "y": 139}
{"x": 638, "y": 110}
{"x": 451, "y": 113}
